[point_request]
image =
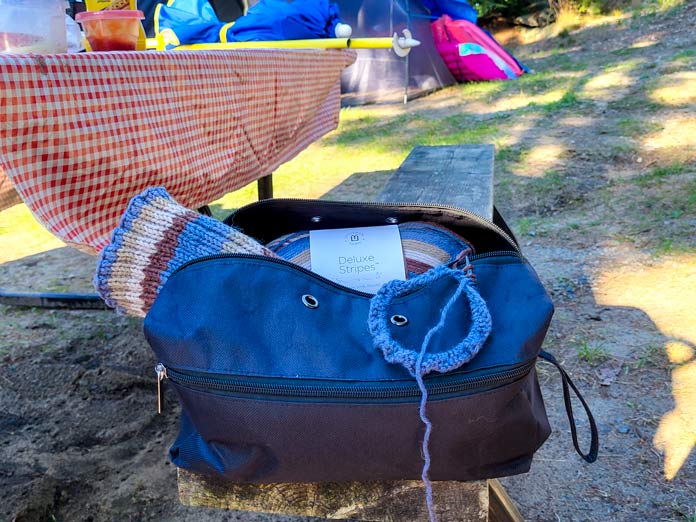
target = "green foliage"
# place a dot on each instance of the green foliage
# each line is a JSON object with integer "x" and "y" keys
{"x": 649, "y": 357}
{"x": 667, "y": 4}
{"x": 685, "y": 55}
{"x": 659, "y": 173}
{"x": 636, "y": 127}
{"x": 507, "y": 8}
{"x": 591, "y": 354}
{"x": 594, "y": 7}
{"x": 569, "y": 100}
{"x": 514, "y": 8}
{"x": 525, "y": 226}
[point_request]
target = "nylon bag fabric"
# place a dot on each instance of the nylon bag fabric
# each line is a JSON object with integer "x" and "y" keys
{"x": 472, "y": 54}
{"x": 281, "y": 377}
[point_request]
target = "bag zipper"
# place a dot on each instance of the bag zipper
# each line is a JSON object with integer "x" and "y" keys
{"x": 359, "y": 391}
{"x": 333, "y": 284}
{"x": 495, "y": 253}
{"x": 323, "y": 279}
{"x": 396, "y": 205}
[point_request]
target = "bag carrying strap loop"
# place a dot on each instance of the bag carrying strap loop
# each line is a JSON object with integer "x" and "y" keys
{"x": 591, "y": 455}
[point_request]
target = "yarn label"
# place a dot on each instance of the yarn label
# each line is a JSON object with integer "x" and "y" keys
{"x": 362, "y": 258}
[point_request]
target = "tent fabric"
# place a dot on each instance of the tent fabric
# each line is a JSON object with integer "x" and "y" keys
{"x": 379, "y": 75}
{"x": 456, "y": 9}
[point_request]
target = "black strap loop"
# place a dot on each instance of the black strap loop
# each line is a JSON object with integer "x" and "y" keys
{"x": 590, "y": 456}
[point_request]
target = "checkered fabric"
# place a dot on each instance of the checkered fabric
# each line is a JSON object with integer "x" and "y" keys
{"x": 83, "y": 133}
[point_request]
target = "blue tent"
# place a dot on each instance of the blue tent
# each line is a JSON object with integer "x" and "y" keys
{"x": 381, "y": 76}
{"x": 378, "y": 75}
{"x": 455, "y": 9}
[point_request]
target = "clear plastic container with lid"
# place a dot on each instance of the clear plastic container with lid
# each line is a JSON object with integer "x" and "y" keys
{"x": 32, "y": 26}
{"x": 111, "y": 30}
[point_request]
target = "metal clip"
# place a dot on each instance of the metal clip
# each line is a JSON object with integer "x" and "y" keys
{"x": 161, "y": 374}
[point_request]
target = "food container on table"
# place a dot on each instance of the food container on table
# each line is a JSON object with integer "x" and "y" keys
{"x": 32, "y": 26}
{"x": 111, "y": 30}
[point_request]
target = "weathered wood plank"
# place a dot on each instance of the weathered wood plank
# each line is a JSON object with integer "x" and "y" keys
{"x": 457, "y": 175}
{"x": 394, "y": 501}
{"x": 501, "y": 508}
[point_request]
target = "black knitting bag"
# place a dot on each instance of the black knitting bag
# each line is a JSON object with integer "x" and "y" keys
{"x": 285, "y": 376}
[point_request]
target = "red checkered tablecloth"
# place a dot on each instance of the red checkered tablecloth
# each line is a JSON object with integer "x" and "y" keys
{"x": 80, "y": 134}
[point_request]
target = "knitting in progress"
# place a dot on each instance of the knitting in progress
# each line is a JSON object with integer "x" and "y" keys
{"x": 155, "y": 237}
{"x": 420, "y": 363}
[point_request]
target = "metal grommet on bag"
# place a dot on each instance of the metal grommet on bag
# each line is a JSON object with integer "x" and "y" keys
{"x": 392, "y": 220}
{"x": 310, "y": 301}
{"x": 315, "y": 219}
{"x": 399, "y": 320}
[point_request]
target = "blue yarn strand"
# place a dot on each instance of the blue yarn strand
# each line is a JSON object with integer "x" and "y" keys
{"x": 424, "y": 399}
{"x": 420, "y": 363}
{"x": 425, "y": 477}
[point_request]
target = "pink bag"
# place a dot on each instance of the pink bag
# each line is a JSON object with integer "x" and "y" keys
{"x": 470, "y": 53}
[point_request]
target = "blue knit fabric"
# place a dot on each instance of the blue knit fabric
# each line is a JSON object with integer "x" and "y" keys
{"x": 419, "y": 363}
{"x": 446, "y": 361}
{"x": 157, "y": 235}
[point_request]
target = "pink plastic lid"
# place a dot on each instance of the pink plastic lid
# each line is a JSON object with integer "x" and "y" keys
{"x": 109, "y": 14}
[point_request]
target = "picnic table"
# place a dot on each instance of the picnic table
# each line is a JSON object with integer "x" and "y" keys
{"x": 82, "y": 133}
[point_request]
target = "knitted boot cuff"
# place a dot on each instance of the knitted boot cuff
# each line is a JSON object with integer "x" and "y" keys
{"x": 155, "y": 237}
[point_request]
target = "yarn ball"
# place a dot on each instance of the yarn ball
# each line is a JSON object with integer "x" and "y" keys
{"x": 425, "y": 246}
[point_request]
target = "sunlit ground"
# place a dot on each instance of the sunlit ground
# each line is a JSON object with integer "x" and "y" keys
{"x": 676, "y": 140}
{"x": 666, "y": 291}
{"x": 676, "y": 89}
{"x": 21, "y": 235}
{"x": 608, "y": 86}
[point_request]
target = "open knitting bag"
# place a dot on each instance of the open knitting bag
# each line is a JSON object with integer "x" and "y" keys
{"x": 285, "y": 376}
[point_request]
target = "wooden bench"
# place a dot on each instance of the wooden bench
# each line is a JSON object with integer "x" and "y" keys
{"x": 460, "y": 176}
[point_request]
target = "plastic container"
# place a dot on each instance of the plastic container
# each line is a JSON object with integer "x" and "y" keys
{"x": 32, "y": 26}
{"x": 111, "y": 30}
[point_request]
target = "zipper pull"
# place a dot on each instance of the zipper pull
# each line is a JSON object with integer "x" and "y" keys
{"x": 468, "y": 269}
{"x": 161, "y": 374}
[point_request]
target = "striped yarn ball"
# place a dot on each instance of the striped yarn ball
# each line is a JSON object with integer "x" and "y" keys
{"x": 425, "y": 246}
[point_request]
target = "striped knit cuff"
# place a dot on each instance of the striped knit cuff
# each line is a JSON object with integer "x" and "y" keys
{"x": 155, "y": 237}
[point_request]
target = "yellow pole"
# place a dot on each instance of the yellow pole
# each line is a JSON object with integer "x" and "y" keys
{"x": 385, "y": 42}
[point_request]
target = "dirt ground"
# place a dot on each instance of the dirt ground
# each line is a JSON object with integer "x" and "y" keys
{"x": 600, "y": 187}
